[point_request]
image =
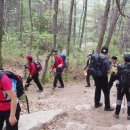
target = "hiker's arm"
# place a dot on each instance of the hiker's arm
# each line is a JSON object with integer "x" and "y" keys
{"x": 61, "y": 63}
{"x": 12, "y": 95}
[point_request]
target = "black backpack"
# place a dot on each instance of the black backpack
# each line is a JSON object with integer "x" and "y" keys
{"x": 17, "y": 80}
{"x": 97, "y": 66}
{"x": 38, "y": 65}
{"x": 124, "y": 78}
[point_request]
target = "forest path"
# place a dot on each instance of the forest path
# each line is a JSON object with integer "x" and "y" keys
{"x": 74, "y": 94}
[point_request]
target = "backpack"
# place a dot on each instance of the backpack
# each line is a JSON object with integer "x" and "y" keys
{"x": 64, "y": 60}
{"x": 124, "y": 78}
{"x": 97, "y": 66}
{"x": 17, "y": 85}
{"x": 38, "y": 65}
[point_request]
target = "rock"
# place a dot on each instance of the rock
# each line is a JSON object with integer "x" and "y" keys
{"x": 83, "y": 107}
{"x": 77, "y": 126}
{"x": 128, "y": 127}
{"x": 119, "y": 127}
{"x": 106, "y": 128}
{"x": 36, "y": 120}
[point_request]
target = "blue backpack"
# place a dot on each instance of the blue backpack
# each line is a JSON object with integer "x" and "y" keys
{"x": 64, "y": 60}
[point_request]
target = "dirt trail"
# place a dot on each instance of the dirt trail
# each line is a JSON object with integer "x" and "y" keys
{"x": 74, "y": 93}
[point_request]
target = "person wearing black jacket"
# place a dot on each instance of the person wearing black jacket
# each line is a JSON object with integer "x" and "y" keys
{"x": 123, "y": 86}
{"x": 87, "y": 72}
{"x": 101, "y": 83}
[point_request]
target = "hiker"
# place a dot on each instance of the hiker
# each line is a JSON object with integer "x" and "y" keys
{"x": 99, "y": 68}
{"x": 9, "y": 106}
{"x": 33, "y": 74}
{"x": 87, "y": 74}
{"x": 113, "y": 76}
{"x": 123, "y": 86}
{"x": 57, "y": 68}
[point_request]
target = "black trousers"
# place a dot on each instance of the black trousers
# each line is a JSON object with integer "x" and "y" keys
{"x": 58, "y": 76}
{"x": 4, "y": 116}
{"x": 88, "y": 79}
{"x": 102, "y": 84}
{"x": 120, "y": 94}
{"x": 36, "y": 80}
{"x": 112, "y": 79}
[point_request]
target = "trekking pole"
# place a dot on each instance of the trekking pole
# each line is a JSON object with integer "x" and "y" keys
{"x": 26, "y": 98}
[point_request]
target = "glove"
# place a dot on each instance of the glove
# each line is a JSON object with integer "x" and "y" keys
{"x": 60, "y": 66}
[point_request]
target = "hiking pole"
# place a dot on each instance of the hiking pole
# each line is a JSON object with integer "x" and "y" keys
{"x": 26, "y": 98}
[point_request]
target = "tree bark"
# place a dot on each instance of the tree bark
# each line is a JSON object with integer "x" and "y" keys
{"x": 69, "y": 31}
{"x": 55, "y": 28}
{"x": 104, "y": 25}
{"x": 31, "y": 36}
{"x": 113, "y": 24}
{"x": 21, "y": 21}
{"x": 46, "y": 66}
{"x": 83, "y": 25}
{"x": 1, "y": 29}
{"x": 74, "y": 28}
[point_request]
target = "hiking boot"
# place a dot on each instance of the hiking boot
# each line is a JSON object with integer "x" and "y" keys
{"x": 87, "y": 85}
{"x": 109, "y": 109}
{"x": 61, "y": 87}
{"x": 99, "y": 105}
{"x": 116, "y": 116}
{"x": 26, "y": 88}
{"x": 39, "y": 90}
{"x": 128, "y": 117}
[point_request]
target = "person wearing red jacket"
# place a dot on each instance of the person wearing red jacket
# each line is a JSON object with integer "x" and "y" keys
{"x": 33, "y": 73}
{"x": 9, "y": 106}
{"x": 57, "y": 68}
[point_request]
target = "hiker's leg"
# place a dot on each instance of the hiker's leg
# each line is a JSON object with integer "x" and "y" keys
{"x": 106, "y": 91}
{"x": 97, "y": 92}
{"x": 88, "y": 79}
{"x": 29, "y": 79}
{"x": 15, "y": 127}
{"x": 2, "y": 118}
{"x": 120, "y": 95}
{"x": 55, "y": 80}
{"x": 128, "y": 101}
{"x": 60, "y": 79}
{"x": 36, "y": 80}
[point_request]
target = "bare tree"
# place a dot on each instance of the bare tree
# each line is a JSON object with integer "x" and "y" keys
{"x": 1, "y": 28}
{"x": 104, "y": 25}
{"x": 55, "y": 28}
{"x": 31, "y": 36}
{"x": 69, "y": 29}
{"x": 113, "y": 24}
{"x": 83, "y": 24}
{"x": 74, "y": 28}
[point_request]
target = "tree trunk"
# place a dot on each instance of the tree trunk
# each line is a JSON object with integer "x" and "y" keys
{"x": 1, "y": 29}
{"x": 104, "y": 25}
{"x": 46, "y": 66}
{"x": 21, "y": 21}
{"x": 113, "y": 24}
{"x": 31, "y": 36}
{"x": 83, "y": 25}
{"x": 74, "y": 28}
{"x": 55, "y": 28}
{"x": 69, "y": 30}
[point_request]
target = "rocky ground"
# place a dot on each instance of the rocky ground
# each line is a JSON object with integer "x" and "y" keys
{"x": 77, "y": 101}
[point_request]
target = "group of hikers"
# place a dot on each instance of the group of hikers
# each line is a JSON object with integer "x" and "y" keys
{"x": 98, "y": 66}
